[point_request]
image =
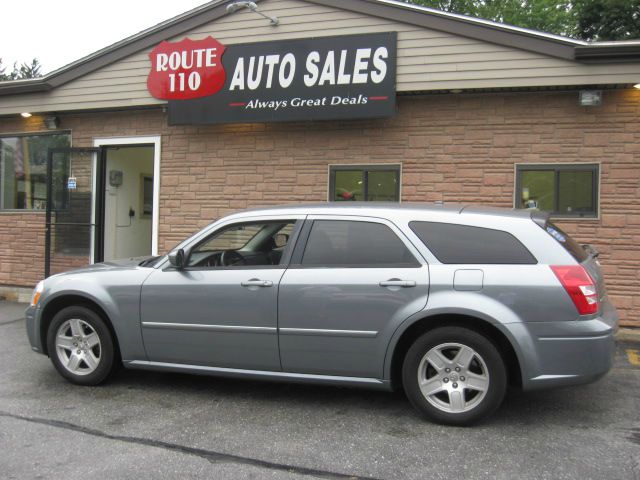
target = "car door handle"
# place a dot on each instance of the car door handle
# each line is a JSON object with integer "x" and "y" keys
{"x": 398, "y": 283}
{"x": 255, "y": 282}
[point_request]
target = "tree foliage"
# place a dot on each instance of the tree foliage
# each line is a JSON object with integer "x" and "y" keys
{"x": 584, "y": 19}
{"x": 607, "y": 19}
{"x": 22, "y": 71}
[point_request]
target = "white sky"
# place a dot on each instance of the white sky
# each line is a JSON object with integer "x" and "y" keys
{"x": 58, "y": 32}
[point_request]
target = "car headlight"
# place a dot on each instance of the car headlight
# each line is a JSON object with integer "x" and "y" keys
{"x": 35, "y": 298}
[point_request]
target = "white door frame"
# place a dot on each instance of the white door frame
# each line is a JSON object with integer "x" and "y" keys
{"x": 155, "y": 141}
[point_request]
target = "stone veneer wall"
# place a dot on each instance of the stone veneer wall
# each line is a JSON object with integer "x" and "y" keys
{"x": 453, "y": 148}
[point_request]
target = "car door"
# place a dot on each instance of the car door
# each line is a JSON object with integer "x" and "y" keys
{"x": 348, "y": 287}
{"x": 213, "y": 314}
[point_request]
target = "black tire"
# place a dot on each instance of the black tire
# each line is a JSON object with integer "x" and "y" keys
{"x": 475, "y": 396}
{"x": 89, "y": 322}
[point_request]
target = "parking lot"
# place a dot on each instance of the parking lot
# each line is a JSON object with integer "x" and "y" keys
{"x": 152, "y": 425}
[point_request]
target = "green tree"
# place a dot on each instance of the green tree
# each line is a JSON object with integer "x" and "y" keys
{"x": 584, "y": 19}
{"x": 554, "y": 16}
{"x": 607, "y": 19}
{"x": 22, "y": 71}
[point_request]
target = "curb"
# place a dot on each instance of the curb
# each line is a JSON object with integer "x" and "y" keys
{"x": 628, "y": 335}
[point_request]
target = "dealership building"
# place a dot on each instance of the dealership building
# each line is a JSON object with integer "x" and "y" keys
{"x": 231, "y": 106}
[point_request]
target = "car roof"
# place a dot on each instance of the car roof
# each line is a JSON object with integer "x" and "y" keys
{"x": 388, "y": 208}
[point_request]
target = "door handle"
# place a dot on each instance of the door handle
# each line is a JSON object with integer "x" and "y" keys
{"x": 398, "y": 283}
{"x": 255, "y": 282}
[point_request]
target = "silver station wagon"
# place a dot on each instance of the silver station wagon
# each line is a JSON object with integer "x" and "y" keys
{"x": 450, "y": 303}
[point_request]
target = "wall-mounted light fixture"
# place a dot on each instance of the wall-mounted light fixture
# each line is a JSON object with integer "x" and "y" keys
{"x": 25, "y": 114}
{"x": 590, "y": 98}
{"x": 637, "y": 85}
{"x": 235, "y": 6}
{"x": 51, "y": 122}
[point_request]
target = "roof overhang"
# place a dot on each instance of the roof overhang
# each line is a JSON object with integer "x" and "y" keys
{"x": 470, "y": 27}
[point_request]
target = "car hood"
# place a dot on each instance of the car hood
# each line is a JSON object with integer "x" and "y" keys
{"x": 120, "y": 264}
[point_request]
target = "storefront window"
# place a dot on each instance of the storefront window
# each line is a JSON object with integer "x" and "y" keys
{"x": 365, "y": 184}
{"x": 563, "y": 190}
{"x": 23, "y": 171}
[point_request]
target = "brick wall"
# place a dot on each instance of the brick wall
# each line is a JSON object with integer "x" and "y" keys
{"x": 454, "y": 148}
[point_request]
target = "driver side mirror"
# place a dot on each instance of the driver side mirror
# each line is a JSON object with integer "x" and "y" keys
{"x": 176, "y": 258}
{"x": 280, "y": 239}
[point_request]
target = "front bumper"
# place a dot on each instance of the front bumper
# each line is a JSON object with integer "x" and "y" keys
{"x": 32, "y": 315}
{"x": 562, "y": 353}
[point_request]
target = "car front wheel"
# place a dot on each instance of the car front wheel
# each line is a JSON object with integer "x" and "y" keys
{"x": 81, "y": 346}
{"x": 454, "y": 375}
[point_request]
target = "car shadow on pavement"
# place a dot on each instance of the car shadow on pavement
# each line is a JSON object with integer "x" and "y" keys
{"x": 519, "y": 408}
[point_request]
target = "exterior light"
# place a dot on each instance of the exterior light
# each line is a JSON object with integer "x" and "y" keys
{"x": 25, "y": 114}
{"x": 235, "y": 6}
{"x": 637, "y": 85}
{"x": 456, "y": 90}
{"x": 590, "y": 98}
{"x": 51, "y": 122}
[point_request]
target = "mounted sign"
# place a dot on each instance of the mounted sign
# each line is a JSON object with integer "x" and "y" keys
{"x": 187, "y": 69}
{"x": 324, "y": 78}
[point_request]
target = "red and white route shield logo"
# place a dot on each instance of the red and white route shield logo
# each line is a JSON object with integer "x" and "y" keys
{"x": 186, "y": 69}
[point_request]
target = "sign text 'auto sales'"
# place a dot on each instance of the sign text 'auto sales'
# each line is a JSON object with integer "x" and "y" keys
{"x": 307, "y": 79}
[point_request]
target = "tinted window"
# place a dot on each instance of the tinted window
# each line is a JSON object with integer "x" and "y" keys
{"x": 339, "y": 242}
{"x": 570, "y": 245}
{"x": 452, "y": 243}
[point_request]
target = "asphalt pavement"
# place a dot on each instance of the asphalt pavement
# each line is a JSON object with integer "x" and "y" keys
{"x": 164, "y": 425}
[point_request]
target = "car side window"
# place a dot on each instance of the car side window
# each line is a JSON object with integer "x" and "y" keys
{"x": 244, "y": 244}
{"x": 463, "y": 244}
{"x": 348, "y": 243}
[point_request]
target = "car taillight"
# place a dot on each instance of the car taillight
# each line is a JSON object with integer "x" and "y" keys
{"x": 580, "y": 287}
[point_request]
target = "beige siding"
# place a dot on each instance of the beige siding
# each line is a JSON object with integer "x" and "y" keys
{"x": 427, "y": 60}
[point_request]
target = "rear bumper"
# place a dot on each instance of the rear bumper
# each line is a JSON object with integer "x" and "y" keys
{"x": 566, "y": 353}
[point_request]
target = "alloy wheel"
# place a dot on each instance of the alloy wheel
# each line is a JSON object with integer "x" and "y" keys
{"x": 78, "y": 346}
{"x": 453, "y": 377}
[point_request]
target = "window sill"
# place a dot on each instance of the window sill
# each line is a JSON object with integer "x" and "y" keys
{"x": 574, "y": 217}
{"x": 21, "y": 211}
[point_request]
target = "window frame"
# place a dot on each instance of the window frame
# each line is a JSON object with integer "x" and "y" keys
{"x": 33, "y": 134}
{"x": 594, "y": 167}
{"x": 365, "y": 168}
{"x": 305, "y": 232}
{"x": 286, "y": 254}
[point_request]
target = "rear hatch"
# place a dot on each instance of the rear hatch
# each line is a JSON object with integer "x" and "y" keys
{"x": 586, "y": 255}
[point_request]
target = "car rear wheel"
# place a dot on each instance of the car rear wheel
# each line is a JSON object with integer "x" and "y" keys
{"x": 454, "y": 375}
{"x": 81, "y": 346}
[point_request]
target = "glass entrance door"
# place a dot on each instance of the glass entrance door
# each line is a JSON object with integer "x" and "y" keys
{"x": 74, "y": 209}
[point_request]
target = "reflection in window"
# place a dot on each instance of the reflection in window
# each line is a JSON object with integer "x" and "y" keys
{"x": 244, "y": 244}
{"x": 365, "y": 184}
{"x": 23, "y": 171}
{"x": 566, "y": 190}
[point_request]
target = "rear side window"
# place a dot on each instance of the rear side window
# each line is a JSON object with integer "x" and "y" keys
{"x": 569, "y": 244}
{"x": 355, "y": 244}
{"x": 451, "y": 243}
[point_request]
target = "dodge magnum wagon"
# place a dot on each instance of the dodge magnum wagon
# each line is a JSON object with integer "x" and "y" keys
{"x": 449, "y": 303}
